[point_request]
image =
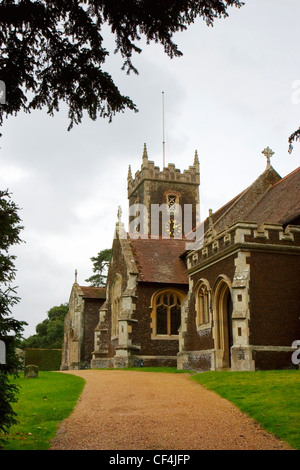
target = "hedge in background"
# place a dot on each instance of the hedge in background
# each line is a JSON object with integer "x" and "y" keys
{"x": 45, "y": 359}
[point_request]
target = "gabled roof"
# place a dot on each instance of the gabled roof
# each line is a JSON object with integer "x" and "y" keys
{"x": 158, "y": 260}
{"x": 237, "y": 209}
{"x": 280, "y": 204}
{"x": 270, "y": 199}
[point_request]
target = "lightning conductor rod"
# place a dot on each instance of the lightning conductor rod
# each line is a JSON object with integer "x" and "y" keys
{"x": 163, "y": 123}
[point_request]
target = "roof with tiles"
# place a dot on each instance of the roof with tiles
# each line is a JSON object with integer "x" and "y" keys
{"x": 270, "y": 199}
{"x": 93, "y": 292}
{"x": 159, "y": 260}
{"x": 238, "y": 208}
{"x": 281, "y": 203}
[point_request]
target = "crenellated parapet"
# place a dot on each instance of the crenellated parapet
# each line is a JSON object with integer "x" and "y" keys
{"x": 248, "y": 236}
{"x": 149, "y": 171}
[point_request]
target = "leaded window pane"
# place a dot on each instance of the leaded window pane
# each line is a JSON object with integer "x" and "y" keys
{"x": 162, "y": 320}
{"x": 175, "y": 319}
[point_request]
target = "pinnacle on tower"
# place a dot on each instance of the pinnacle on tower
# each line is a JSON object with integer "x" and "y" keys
{"x": 210, "y": 218}
{"x": 196, "y": 163}
{"x": 145, "y": 155}
{"x": 129, "y": 177}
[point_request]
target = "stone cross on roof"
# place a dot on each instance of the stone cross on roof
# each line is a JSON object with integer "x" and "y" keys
{"x": 268, "y": 153}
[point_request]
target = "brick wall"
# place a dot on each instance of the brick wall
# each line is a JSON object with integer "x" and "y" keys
{"x": 90, "y": 319}
{"x": 274, "y": 299}
{"x": 141, "y": 334}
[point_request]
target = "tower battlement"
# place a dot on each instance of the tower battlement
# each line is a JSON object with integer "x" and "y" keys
{"x": 149, "y": 171}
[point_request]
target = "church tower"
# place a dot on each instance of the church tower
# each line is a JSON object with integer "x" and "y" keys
{"x": 163, "y": 203}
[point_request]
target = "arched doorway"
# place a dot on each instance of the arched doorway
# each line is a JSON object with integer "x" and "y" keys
{"x": 223, "y": 324}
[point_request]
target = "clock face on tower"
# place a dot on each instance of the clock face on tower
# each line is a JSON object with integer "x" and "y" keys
{"x": 173, "y": 228}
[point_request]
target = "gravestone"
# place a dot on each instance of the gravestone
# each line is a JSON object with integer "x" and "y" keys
{"x": 31, "y": 371}
{"x": 20, "y": 354}
{"x": 2, "y": 352}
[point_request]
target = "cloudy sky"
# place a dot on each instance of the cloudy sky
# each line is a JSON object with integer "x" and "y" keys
{"x": 235, "y": 91}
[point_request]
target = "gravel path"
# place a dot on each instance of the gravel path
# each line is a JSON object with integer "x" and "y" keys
{"x": 128, "y": 410}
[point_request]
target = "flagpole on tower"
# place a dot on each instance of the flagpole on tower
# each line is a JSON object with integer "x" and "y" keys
{"x": 163, "y": 123}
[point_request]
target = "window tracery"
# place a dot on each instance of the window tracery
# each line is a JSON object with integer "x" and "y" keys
{"x": 202, "y": 305}
{"x": 116, "y": 292}
{"x": 166, "y": 312}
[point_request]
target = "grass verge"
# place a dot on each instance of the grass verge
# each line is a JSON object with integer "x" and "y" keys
{"x": 42, "y": 404}
{"x": 271, "y": 398}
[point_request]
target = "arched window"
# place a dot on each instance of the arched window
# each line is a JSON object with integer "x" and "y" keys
{"x": 202, "y": 304}
{"x": 166, "y": 313}
{"x": 116, "y": 292}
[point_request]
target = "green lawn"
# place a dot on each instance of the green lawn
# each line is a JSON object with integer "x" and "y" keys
{"x": 42, "y": 404}
{"x": 272, "y": 398}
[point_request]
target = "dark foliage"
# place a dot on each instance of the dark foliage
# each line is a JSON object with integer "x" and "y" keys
{"x": 10, "y": 329}
{"x": 50, "y": 332}
{"x": 295, "y": 137}
{"x": 53, "y": 51}
{"x": 101, "y": 264}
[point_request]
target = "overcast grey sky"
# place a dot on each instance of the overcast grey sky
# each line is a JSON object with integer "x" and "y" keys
{"x": 235, "y": 91}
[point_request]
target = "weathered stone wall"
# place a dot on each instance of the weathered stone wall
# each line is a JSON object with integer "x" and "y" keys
{"x": 150, "y": 186}
{"x": 105, "y": 344}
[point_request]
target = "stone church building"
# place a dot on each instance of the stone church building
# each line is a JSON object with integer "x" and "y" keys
{"x": 222, "y": 294}
{"x": 80, "y": 322}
